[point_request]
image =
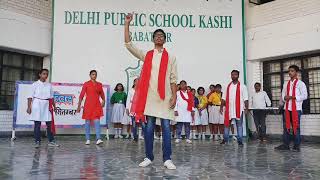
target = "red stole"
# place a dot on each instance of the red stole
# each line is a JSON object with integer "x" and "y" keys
{"x": 53, "y": 127}
{"x": 140, "y": 96}
{"x": 238, "y": 113}
{"x": 189, "y": 100}
{"x": 293, "y": 108}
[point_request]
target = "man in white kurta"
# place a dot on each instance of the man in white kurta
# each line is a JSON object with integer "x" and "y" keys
{"x": 232, "y": 106}
{"x": 155, "y": 107}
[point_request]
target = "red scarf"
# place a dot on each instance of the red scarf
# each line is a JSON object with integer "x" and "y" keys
{"x": 293, "y": 109}
{"x": 190, "y": 100}
{"x": 140, "y": 96}
{"x": 53, "y": 127}
{"x": 226, "y": 114}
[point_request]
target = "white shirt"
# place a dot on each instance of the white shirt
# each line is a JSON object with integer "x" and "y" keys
{"x": 41, "y": 90}
{"x": 182, "y": 108}
{"x": 130, "y": 99}
{"x": 232, "y": 99}
{"x": 260, "y": 100}
{"x": 301, "y": 94}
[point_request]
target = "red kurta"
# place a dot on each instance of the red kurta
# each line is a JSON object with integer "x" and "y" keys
{"x": 92, "y": 107}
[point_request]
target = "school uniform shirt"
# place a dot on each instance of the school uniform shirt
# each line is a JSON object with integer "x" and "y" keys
{"x": 41, "y": 92}
{"x": 130, "y": 99}
{"x": 301, "y": 94}
{"x": 92, "y": 106}
{"x": 154, "y": 105}
{"x": 232, "y": 99}
{"x": 203, "y": 101}
{"x": 260, "y": 100}
{"x": 182, "y": 108}
{"x": 119, "y": 98}
{"x": 215, "y": 98}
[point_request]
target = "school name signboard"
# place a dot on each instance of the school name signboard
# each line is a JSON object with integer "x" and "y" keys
{"x": 205, "y": 36}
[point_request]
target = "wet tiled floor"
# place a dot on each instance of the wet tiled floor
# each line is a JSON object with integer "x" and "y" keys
{"x": 118, "y": 159}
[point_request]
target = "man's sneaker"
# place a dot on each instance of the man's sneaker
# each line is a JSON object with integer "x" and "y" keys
{"x": 296, "y": 148}
{"x": 282, "y": 147}
{"x": 177, "y": 141}
{"x": 99, "y": 142}
{"x": 37, "y": 145}
{"x": 146, "y": 162}
{"x": 53, "y": 144}
{"x": 169, "y": 165}
{"x": 189, "y": 141}
{"x": 240, "y": 143}
{"x": 141, "y": 138}
{"x": 223, "y": 142}
{"x": 88, "y": 142}
{"x": 234, "y": 138}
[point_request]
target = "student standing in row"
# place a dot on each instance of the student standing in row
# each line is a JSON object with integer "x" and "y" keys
{"x": 217, "y": 119}
{"x": 184, "y": 111}
{"x": 118, "y": 100}
{"x": 203, "y": 112}
{"x": 39, "y": 105}
{"x": 92, "y": 111}
{"x": 196, "y": 123}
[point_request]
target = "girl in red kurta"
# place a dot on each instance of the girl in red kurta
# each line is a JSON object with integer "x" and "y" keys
{"x": 92, "y": 110}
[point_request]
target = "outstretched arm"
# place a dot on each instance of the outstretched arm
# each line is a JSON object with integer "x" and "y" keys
{"x": 132, "y": 48}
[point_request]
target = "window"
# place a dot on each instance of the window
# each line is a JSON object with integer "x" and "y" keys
{"x": 275, "y": 73}
{"x": 13, "y": 67}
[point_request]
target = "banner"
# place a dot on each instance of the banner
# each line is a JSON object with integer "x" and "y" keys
{"x": 206, "y": 37}
{"x": 66, "y": 96}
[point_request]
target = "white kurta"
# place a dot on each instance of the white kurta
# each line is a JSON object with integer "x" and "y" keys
{"x": 182, "y": 108}
{"x": 232, "y": 99}
{"x": 40, "y": 93}
{"x": 154, "y": 105}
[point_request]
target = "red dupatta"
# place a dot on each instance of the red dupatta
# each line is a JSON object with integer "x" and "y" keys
{"x": 51, "y": 109}
{"x": 190, "y": 100}
{"x": 227, "y": 111}
{"x": 293, "y": 109}
{"x": 140, "y": 96}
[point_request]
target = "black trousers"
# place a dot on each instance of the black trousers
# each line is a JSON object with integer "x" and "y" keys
{"x": 260, "y": 122}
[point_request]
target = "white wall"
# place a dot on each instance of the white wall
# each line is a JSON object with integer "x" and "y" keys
{"x": 279, "y": 29}
{"x": 24, "y": 33}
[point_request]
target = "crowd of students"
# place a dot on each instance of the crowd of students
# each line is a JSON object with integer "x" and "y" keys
{"x": 195, "y": 110}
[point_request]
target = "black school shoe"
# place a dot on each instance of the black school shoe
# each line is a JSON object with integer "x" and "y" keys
{"x": 282, "y": 147}
{"x": 223, "y": 142}
{"x": 296, "y": 148}
{"x": 240, "y": 143}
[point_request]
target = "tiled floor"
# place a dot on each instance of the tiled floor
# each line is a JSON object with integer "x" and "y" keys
{"x": 118, "y": 159}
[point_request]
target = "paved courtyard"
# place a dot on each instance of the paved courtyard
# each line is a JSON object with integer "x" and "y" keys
{"x": 118, "y": 159}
